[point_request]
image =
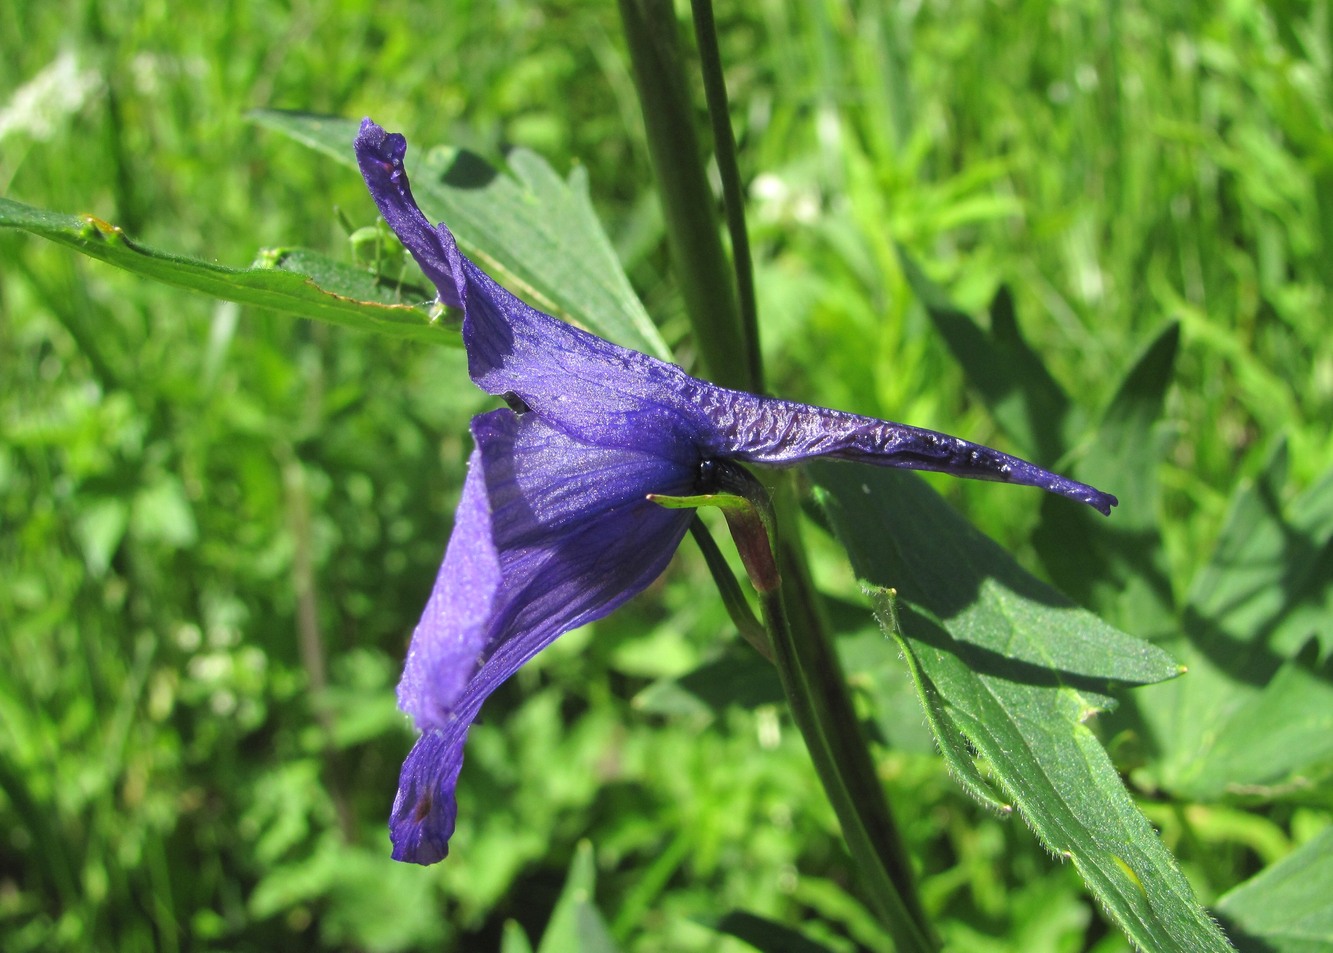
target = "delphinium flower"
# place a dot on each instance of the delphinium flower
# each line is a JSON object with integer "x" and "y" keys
{"x": 555, "y": 527}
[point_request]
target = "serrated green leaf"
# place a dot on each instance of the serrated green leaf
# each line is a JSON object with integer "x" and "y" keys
{"x": 341, "y": 295}
{"x": 575, "y": 923}
{"x": 1016, "y": 670}
{"x": 535, "y": 232}
{"x": 1265, "y": 592}
{"x": 1118, "y": 566}
{"x": 1285, "y": 908}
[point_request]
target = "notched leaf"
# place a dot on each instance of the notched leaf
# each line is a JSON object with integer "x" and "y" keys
{"x": 1010, "y": 668}
{"x": 534, "y": 231}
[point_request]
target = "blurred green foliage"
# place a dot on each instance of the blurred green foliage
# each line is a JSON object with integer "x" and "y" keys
{"x": 217, "y": 526}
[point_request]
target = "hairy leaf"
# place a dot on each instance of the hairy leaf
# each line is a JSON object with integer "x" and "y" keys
{"x": 1010, "y": 672}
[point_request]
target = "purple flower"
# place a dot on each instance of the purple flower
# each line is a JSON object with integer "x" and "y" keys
{"x": 554, "y": 528}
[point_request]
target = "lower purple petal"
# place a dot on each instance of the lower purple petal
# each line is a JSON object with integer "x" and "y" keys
{"x": 425, "y": 809}
{"x": 551, "y": 534}
{"x": 451, "y": 639}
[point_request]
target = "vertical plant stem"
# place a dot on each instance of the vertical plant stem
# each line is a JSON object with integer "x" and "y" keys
{"x": 728, "y": 337}
{"x": 742, "y": 616}
{"x": 687, "y": 203}
{"x": 816, "y": 689}
{"x": 733, "y": 197}
{"x": 310, "y": 641}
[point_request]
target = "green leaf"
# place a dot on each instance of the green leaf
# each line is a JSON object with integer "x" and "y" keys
{"x": 533, "y": 231}
{"x": 575, "y": 923}
{"x": 1263, "y": 596}
{"x": 765, "y": 935}
{"x": 1285, "y": 908}
{"x": 689, "y": 208}
{"x": 735, "y": 679}
{"x": 1279, "y": 736}
{"x": 1019, "y": 391}
{"x": 1118, "y": 566}
{"x": 1011, "y": 671}
{"x": 514, "y": 940}
{"x": 283, "y": 282}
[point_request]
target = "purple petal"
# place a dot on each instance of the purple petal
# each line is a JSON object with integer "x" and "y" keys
{"x": 424, "y": 812}
{"x": 380, "y": 156}
{"x": 551, "y": 534}
{"x": 609, "y": 396}
{"x": 781, "y": 433}
{"x": 594, "y": 390}
{"x": 454, "y": 628}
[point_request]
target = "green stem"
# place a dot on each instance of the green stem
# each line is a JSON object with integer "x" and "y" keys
{"x": 742, "y": 617}
{"x": 687, "y": 202}
{"x": 816, "y": 689}
{"x": 728, "y": 338}
{"x": 733, "y": 198}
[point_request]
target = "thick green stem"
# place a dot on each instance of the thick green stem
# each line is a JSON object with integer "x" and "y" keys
{"x": 817, "y": 692}
{"x": 687, "y": 202}
{"x": 728, "y": 338}
{"x": 733, "y": 196}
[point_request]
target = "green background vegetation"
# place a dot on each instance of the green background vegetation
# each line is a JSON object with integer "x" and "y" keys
{"x": 218, "y": 526}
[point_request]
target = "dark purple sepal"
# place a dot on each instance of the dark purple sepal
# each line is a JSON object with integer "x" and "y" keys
{"x": 550, "y": 534}
{"x": 425, "y": 810}
{"x": 380, "y": 156}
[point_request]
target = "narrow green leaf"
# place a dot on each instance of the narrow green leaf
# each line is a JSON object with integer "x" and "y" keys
{"x": 1285, "y": 908}
{"x": 575, "y": 922}
{"x": 513, "y": 939}
{"x": 733, "y": 194}
{"x": 951, "y": 740}
{"x": 1019, "y": 391}
{"x": 765, "y": 935}
{"x": 1265, "y": 592}
{"x": 534, "y": 231}
{"x": 1014, "y": 671}
{"x": 285, "y": 281}
{"x": 1118, "y": 566}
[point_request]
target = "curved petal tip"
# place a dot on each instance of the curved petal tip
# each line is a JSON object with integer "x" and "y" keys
{"x": 425, "y": 810}
{"x": 380, "y": 157}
